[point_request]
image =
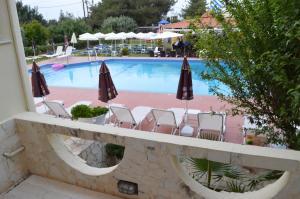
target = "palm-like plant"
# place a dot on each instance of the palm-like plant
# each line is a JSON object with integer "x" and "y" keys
{"x": 235, "y": 178}
{"x": 213, "y": 170}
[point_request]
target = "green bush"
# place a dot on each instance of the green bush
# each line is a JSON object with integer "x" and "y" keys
{"x": 125, "y": 51}
{"x": 40, "y": 49}
{"x": 84, "y": 111}
{"x": 99, "y": 111}
{"x": 114, "y": 150}
{"x": 81, "y": 111}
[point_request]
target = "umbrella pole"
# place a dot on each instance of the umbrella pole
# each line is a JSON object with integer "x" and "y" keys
{"x": 186, "y": 111}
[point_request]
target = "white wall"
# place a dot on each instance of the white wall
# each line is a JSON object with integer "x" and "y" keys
{"x": 15, "y": 94}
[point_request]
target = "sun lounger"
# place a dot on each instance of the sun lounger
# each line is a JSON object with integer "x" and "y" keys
{"x": 68, "y": 52}
{"x": 171, "y": 117}
{"x": 134, "y": 117}
{"x": 59, "y": 110}
{"x": 43, "y": 108}
{"x": 211, "y": 126}
{"x": 59, "y": 51}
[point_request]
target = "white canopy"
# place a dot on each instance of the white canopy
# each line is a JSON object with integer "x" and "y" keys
{"x": 100, "y": 35}
{"x": 113, "y": 36}
{"x": 130, "y": 35}
{"x": 73, "y": 39}
{"x": 140, "y": 35}
{"x": 87, "y": 37}
{"x": 166, "y": 35}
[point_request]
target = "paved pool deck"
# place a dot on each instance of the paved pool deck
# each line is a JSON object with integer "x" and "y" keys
{"x": 156, "y": 100}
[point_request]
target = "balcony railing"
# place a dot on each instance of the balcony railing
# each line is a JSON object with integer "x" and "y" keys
{"x": 150, "y": 160}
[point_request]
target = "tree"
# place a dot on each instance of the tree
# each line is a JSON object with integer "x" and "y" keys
{"x": 66, "y": 25}
{"x": 258, "y": 58}
{"x": 35, "y": 32}
{"x": 145, "y": 12}
{"x": 194, "y": 8}
{"x": 118, "y": 24}
{"x": 27, "y": 14}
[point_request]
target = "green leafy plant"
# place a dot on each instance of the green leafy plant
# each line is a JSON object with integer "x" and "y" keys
{"x": 257, "y": 56}
{"x": 125, "y": 51}
{"x": 235, "y": 178}
{"x": 114, "y": 150}
{"x": 84, "y": 111}
{"x": 96, "y": 111}
{"x": 235, "y": 186}
{"x": 213, "y": 170}
{"x": 81, "y": 111}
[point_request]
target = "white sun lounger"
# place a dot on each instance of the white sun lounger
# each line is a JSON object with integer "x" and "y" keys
{"x": 134, "y": 117}
{"x": 211, "y": 126}
{"x": 59, "y": 110}
{"x": 68, "y": 52}
{"x": 171, "y": 117}
{"x": 59, "y": 51}
{"x": 43, "y": 108}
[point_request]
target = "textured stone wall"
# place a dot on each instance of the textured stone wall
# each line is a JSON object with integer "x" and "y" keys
{"x": 150, "y": 160}
{"x": 95, "y": 155}
{"x": 12, "y": 170}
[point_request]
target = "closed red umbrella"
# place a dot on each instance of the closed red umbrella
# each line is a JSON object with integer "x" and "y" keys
{"x": 38, "y": 82}
{"x": 107, "y": 90}
{"x": 185, "y": 85}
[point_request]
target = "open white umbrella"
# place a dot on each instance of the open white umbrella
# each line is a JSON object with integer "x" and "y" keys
{"x": 87, "y": 37}
{"x": 100, "y": 36}
{"x": 130, "y": 35}
{"x": 115, "y": 37}
{"x": 73, "y": 39}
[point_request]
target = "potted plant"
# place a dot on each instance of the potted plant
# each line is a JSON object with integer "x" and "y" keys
{"x": 88, "y": 114}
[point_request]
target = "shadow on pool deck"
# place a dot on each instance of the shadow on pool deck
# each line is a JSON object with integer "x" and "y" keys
{"x": 156, "y": 100}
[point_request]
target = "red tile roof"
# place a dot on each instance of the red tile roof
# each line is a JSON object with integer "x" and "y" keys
{"x": 178, "y": 25}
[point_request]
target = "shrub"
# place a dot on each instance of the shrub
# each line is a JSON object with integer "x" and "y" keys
{"x": 114, "y": 150}
{"x": 125, "y": 51}
{"x": 99, "y": 111}
{"x": 84, "y": 111}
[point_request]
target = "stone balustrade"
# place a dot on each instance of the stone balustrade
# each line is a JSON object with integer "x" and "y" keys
{"x": 150, "y": 160}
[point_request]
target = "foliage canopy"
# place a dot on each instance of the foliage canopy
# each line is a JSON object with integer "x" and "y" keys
{"x": 27, "y": 14}
{"x": 118, "y": 24}
{"x": 194, "y": 8}
{"x": 145, "y": 12}
{"x": 35, "y": 32}
{"x": 258, "y": 57}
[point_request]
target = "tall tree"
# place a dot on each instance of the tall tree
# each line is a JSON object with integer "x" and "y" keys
{"x": 27, "y": 14}
{"x": 35, "y": 32}
{"x": 145, "y": 12}
{"x": 194, "y": 8}
{"x": 118, "y": 24}
{"x": 258, "y": 57}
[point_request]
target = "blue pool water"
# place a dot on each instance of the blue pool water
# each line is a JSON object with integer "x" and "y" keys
{"x": 159, "y": 76}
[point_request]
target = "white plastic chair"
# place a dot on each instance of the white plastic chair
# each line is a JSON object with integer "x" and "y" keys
{"x": 59, "y": 51}
{"x": 211, "y": 126}
{"x": 171, "y": 117}
{"x": 59, "y": 110}
{"x": 134, "y": 117}
{"x": 156, "y": 52}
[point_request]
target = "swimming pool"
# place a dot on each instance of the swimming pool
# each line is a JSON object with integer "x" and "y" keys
{"x": 141, "y": 75}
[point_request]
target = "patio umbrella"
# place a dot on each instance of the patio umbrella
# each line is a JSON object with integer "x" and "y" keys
{"x": 73, "y": 39}
{"x": 39, "y": 85}
{"x": 100, "y": 36}
{"x": 185, "y": 85}
{"x": 87, "y": 37}
{"x": 107, "y": 90}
